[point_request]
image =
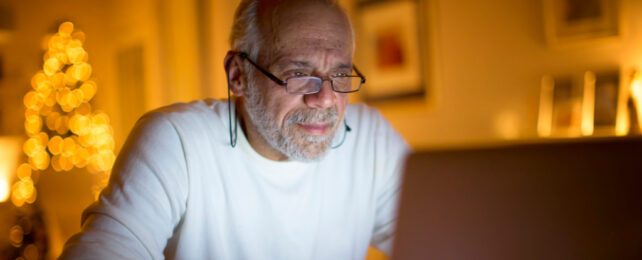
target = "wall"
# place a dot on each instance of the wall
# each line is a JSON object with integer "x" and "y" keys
{"x": 488, "y": 58}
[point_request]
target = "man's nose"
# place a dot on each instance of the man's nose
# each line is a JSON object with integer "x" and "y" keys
{"x": 325, "y": 98}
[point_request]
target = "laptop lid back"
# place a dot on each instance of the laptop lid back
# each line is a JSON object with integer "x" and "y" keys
{"x": 559, "y": 200}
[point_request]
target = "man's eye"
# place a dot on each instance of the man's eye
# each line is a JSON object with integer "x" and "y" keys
{"x": 294, "y": 74}
{"x": 341, "y": 74}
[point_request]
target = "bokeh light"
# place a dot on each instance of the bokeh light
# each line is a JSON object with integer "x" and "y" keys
{"x": 63, "y": 131}
{"x": 16, "y": 235}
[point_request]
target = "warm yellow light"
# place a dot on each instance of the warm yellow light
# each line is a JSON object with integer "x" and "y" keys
{"x": 80, "y": 71}
{"x": 58, "y": 80}
{"x": 59, "y": 103}
{"x": 507, "y": 125}
{"x": 9, "y": 156}
{"x": 4, "y": 190}
{"x": 23, "y": 191}
{"x": 52, "y": 65}
{"x": 636, "y": 94}
{"x": 81, "y": 157}
{"x": 62, "y": 125}
{"x": 84, "y": 109}
{"x": 89, "y": 90}
{"x": 66, "y": 28}
{"x": 31, "y": 252}
{"x": 636, "y": 86}
{"x": 80, "y": 124}
{"x": 545, "y": 117}
{"x": 24, "y": 171}
{"x": 68, "y": 147}
{"x": 33, "y": 125}
{"x": 51, "y": 120}
{"x": 66, "y": 164}
{"x": 588, "y": 108}
{"x": 58, "y": 42}
{"x": 40, "y": 160}
{"x": 16, "y": 235}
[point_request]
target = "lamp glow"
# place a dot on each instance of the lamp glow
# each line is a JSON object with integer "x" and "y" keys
{"x": 636, "y": 93}
{"x": 4, "y": 190}
{"x": 588, "y": 109}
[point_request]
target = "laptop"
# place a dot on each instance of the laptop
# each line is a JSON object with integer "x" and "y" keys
{"x": 574, "y": 199}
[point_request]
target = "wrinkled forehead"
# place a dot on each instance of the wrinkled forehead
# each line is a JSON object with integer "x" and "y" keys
{"x": 301, "y": 26}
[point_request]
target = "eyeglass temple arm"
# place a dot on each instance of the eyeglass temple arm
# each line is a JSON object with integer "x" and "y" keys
{"x": 243, "y": 55}
{"x": 363, "y": 78}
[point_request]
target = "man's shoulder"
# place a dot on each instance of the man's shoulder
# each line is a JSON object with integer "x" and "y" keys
{"x": 370, "y": 124}
{"x": 361, "y": 110}
{"x": 195, "y": 112}
{"x": 194, "y": 108}
{"x": 364, "y": 115}
{"x": 202, "y": 116}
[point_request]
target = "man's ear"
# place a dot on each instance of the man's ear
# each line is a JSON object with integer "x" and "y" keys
{"x": 235, "y": 74}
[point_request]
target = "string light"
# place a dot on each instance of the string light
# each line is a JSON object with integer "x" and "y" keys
{"x": 63, "y": 130}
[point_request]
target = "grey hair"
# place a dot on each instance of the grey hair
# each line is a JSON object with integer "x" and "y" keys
{"x": 246, "y": 35}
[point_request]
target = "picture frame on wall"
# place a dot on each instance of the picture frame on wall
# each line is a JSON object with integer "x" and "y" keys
{"x": 604, "y": 109}
{"x": 389, "y": 51}
{"x": 572, "y": 21}
{"x": 560, "y": 108}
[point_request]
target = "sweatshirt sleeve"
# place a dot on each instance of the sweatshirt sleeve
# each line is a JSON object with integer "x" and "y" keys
{"x": 390, "y": 154}
{"x": 144, "y": 201}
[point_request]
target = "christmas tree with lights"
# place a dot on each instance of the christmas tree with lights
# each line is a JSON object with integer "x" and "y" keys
{"x": 64, "y": 132}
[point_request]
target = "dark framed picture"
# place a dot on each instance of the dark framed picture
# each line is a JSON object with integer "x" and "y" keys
{"x": 389, "y": 49}
{"x": 605, "y": 104}
{"x": 568, "y": 21}
{"x": 560, "y": 107}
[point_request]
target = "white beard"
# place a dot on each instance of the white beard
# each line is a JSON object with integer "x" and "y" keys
{"x": 291, "y": 140}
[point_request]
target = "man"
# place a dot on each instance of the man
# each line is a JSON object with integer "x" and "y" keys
{"x": 306, "y": 176}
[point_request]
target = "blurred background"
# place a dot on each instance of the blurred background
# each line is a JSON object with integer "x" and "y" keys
{"x": 445, "y": 73}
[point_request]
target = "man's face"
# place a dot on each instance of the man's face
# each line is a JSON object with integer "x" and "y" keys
{"x": 309, "y": 40}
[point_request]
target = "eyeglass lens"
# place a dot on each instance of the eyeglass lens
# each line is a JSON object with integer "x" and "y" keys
{"x": 310, "y": 85}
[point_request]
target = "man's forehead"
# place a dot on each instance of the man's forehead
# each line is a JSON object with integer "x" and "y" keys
{"x": 285, "y": 16}
{"x": 306, "y": 27}
{"x": 271, "y": 7}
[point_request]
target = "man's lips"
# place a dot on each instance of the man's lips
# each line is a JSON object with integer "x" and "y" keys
{"x": 314, "y": 129}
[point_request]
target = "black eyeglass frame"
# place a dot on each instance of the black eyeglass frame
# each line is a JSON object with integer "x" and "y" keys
{"x": 284, "y": 83}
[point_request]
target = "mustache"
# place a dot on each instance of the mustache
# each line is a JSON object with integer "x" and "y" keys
{"x": 312, "y": 116}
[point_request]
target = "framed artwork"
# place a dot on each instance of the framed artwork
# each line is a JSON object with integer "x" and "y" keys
{"x": 575, "y": 20}
{"x": 560, "y": 107}
{"x": 389, "y": 49}
{"x": 605, "y": 103}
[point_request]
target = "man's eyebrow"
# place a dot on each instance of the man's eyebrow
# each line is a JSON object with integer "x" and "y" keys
{"x": 344, "y": 66}
{"x": 306, "y": 64}
{"x": 296, "y": 63}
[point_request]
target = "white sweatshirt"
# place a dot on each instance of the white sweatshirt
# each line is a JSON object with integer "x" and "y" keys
{"x": 180, "y": 191}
